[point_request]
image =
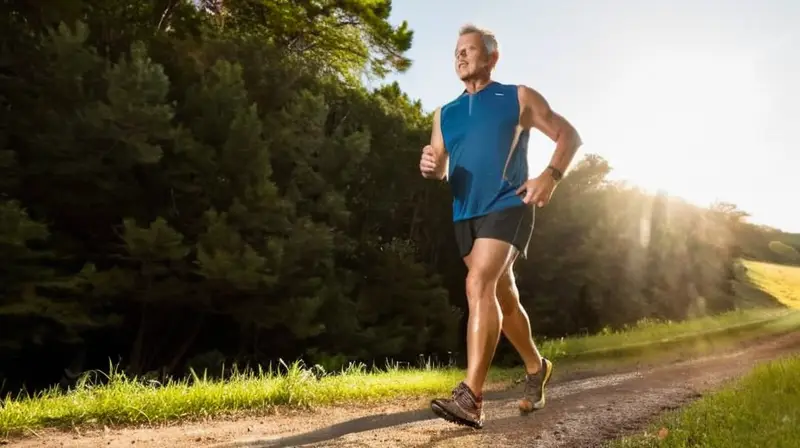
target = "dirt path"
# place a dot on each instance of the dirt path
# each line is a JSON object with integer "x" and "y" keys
{"x": 580, "y": 413}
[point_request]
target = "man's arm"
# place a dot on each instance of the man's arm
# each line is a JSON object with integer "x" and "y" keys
{"x": 437, "y": 142}
{"x": 536, "y": 113}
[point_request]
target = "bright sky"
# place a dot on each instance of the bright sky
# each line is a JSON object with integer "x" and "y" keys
{"x": 698, "y": 97}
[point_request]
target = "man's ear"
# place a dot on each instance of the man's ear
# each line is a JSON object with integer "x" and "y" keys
{"x": 493, "y": 58}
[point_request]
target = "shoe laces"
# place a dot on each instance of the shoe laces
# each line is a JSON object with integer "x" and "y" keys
{"x": 465, "y": 398}
{"x": 531, "y": 381}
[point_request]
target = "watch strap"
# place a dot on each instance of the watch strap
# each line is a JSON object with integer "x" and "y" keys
{"x": 555, "y": 172}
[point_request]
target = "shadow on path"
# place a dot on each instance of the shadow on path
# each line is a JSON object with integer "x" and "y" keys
{"x": 368, "y": 423}
{"x": 357, "y": 425}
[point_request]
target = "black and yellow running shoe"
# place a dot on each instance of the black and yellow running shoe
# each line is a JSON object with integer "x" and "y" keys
{"x": 534, "y": 398}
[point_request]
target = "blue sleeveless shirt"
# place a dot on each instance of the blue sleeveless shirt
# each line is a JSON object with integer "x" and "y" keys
{"x": 479, "y": 130}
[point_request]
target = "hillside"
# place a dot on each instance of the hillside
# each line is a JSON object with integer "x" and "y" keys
{"x": 773, "y": 282}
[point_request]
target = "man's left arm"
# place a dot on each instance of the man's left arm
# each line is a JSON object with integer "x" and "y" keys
{"x": 537, "y": 113}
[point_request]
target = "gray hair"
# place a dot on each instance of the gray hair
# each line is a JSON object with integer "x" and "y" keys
{"x": 489, "y": 41}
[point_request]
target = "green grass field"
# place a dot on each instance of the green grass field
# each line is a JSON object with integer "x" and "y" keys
{"x": 124, "y": 400}
{"x": 641, "y": 337}
{"x": 760, "y": 410}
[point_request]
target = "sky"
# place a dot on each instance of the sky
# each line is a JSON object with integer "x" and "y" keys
{"x": 699, "y": 98}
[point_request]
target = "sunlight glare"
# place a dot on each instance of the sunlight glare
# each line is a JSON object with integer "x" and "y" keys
{"x": 688, "y": 117}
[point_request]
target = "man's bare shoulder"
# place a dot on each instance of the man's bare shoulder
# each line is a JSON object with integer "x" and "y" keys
{"x": 529, "y": 97}
{"x": 437, "y": 115}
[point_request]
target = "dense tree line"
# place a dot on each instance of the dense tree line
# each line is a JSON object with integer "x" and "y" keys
{"x": 186, "y": 183}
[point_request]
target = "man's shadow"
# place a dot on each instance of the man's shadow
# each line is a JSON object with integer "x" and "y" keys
{"x": 372, "y": 423}
{"x": 369, "y": 423}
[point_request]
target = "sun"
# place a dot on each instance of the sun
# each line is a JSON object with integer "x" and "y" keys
{"x": 680, "y": 121}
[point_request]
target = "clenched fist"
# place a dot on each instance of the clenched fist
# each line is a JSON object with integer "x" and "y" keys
{"x": 433, "y": 163}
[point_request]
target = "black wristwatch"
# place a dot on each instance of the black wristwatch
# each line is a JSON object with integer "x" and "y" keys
{"x": 555, "y": 172}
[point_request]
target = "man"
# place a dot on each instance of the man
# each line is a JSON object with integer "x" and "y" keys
{"x": 479, "y": 144}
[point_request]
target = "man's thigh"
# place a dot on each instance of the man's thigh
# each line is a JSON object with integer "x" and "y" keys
{"x": 490, "y": 258}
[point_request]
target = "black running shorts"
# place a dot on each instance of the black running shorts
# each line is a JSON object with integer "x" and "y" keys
{"x": 513, "y": 225}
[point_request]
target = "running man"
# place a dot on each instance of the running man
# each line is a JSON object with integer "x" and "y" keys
{"x": 479, "y": 143}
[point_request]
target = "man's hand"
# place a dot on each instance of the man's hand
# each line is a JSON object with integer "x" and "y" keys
{"x": 539, "y": 190}
{"x": 432, "y": 163}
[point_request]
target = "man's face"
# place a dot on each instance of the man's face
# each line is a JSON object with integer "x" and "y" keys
{"x": 471, "y": 59}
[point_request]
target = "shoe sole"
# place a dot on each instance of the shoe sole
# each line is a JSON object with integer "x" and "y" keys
{"x": 446, "y": 415}
{"x": 539, "y": 405}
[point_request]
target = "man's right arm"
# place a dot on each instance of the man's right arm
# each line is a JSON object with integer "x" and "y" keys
{"x": 437, "y": 142}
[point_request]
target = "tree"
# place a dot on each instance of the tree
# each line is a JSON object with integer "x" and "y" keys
{"x": 349, "y": 35}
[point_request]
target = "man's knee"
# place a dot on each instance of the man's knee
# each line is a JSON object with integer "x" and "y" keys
{"x": 487, "y": 262}
{"x": 481, "y": 285}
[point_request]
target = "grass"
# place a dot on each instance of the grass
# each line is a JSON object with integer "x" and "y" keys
{"x": 120, "y": 399}
{"x": 779, "y": 281}
{"x": 124, "y": 400}
{"x": 645, "y": 334}
{"x": 762, "y": 407}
